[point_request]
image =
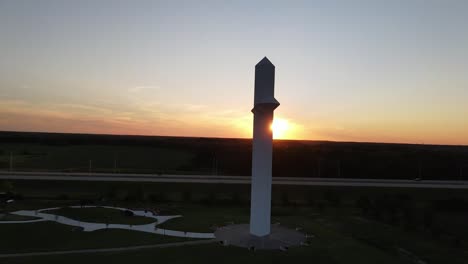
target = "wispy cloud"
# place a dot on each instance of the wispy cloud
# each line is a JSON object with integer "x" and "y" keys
{"x": 137, "y": 89}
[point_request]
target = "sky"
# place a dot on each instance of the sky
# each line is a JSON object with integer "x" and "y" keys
{"x": 372, "y": 71}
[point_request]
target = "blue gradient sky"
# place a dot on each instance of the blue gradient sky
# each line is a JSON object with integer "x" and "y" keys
{"x": 346, "y": 70}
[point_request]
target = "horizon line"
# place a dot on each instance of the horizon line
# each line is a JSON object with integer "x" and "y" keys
{"x": 243, "y": 138}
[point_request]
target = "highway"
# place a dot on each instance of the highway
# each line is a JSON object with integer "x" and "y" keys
{"x": 213, "y": 179}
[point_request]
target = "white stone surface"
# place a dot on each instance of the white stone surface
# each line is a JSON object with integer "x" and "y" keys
{"x": 264, "y": 105}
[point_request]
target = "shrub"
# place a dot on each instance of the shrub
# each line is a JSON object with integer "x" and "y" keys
{"x": 63, "y": 196}
{"x": 157, "y": 197}
{"x": 128, "y": 213}
{"x": 210, "y": 199}
{"x": 285, "y": 198}
{"x": 235, "y": 198}
{"x": 84, "y": 202}
{"x": 6, "y": 186}
{"x": 186, "y": 196}
{"x": 333, "y": 197}
{"x": 364, "y": 203}
{"x": 111, "y": 194}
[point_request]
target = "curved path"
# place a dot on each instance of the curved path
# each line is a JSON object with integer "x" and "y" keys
{"x": 103, "y": 250}
{"x": 88, "y": 226}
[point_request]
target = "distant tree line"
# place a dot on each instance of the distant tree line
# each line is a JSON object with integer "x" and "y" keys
{"x": 290, "y": 158}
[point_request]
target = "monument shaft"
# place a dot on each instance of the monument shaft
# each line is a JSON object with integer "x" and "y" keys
{"x": 264, "y": 105}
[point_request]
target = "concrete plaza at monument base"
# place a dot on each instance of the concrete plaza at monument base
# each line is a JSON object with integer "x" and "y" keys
{"x": 279, "y": 238}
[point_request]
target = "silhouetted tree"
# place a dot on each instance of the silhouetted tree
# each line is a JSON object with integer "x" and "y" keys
{"x": 7, "y": 186}
{"x": 186, "y": 196}
{"x": 428, "y": 218}
{"x": 364, "y": 203}
{"x": 235, "y": 198}
{"x": 285, "y": 198}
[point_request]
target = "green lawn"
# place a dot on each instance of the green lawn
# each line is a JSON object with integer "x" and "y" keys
{"x": 51, "y": 236}
{"x": 391, "y": 238}
{"x": 198, "y": 218}
{"x": 35, "y": 204}
{"x": 12, "y": 217}
{"x": 213, "y": 253}
{"x": 101, "y": 215}
{"x": 341, "y": 236}
{"x": 76, "y": 157}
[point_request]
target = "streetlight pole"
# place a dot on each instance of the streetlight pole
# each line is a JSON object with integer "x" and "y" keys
{"x": 11, "y": 161}
{"x": 213, "y": 166}
{"x": 420, "y": 170}
{"x": 115, "y": 163}
{"x": 318, "y": 168}
{"x": 339, "y": 168}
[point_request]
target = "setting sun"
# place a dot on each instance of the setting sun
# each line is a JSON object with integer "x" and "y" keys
{"x": 279, "y": 128}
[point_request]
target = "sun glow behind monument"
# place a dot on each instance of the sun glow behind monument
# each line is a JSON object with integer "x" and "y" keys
{"x": 280, "y": 128}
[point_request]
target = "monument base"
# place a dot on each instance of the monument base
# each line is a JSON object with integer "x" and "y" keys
{"x": 280, "y": 238}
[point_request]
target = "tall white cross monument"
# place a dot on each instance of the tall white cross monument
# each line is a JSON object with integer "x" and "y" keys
{"x": 264, "y": 105}
{"x": 259, "y": 234}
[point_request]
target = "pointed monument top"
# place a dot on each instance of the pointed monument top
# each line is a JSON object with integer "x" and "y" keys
{"x": 265, "y": 61}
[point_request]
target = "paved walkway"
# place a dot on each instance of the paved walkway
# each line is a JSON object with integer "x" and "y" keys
{"x": 88, "y": 226}
{"x": 104, "y": 250}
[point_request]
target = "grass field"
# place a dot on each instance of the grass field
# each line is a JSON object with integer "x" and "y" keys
{"x": 12, "y": 217}
{"x": 315, "y": 253}
{"x": 101, "y": 215}
{"x": 198, "y": 192}
{"x": 103, "y": 158}
{"x": 184, "y": 155}
{"x": 198, "y": 218}
{"x": 341, "y": 236}
{"x": 51, "y": 236}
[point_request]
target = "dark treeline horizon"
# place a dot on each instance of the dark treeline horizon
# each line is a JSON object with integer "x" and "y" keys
{"x": 291, "y": 158}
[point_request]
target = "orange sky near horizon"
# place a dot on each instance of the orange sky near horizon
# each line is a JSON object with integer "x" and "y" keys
{"x": 17, "y": 116}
